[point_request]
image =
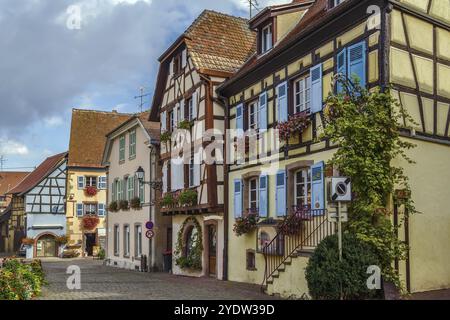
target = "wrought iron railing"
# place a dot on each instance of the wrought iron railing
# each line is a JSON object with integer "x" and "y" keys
{"x": 304, "y": 228}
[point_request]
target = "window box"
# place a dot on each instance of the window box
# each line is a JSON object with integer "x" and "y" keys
{"x": 246, "y": 224}
{"x": 91, "y": 191}
{"x": 135, "y": 203}
{"x": 113, "y": 207}
{"x": 90, "y": 222}
{"x": 124, "y": 205}
{"x": 294, "y": 127}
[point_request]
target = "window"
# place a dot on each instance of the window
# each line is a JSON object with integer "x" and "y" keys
{"x": 90, "y": 208}
{"x": 138, "y": 241}
{"x": 91, "y": 181}
{"x": 253, "y": 193}
{"x": 191, "y": 171}
{"x": 253, "y": 115}
{"x": 122, "y": 148}
{"x": 190, "y": 106}
{"x": 302, "y": 187}
{"x": 302, "y": 94}
{"x": 266, "y": 39}
{"x": 79, "y": 209}
{"x": 132, "y": 147}
{"x": 116, "y": 240}
{"x": 141, "y": 192}
{"x": 119, "y": 191}
{"x": 251, "y": 262}
{"x": 171, "y": 120}
{"x": 177, "y": 62}
{"x": 126, "y": 241}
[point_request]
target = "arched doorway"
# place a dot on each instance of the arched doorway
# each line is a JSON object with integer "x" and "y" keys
{"x": 46, "y": 246}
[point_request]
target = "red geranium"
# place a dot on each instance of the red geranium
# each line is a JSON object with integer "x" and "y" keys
{"x": 295, "y": 125}
{"x": 90, "y": 222}
{"x": 91, "y": 191}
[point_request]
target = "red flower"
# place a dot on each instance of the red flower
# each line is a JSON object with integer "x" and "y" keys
{"x": 90, "y": 222}
{"x": 91, "y": 191}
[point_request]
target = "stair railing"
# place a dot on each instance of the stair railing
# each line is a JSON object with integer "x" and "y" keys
{"x": 304, "y": 228}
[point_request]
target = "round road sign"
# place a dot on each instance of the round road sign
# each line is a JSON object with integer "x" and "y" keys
{"x": 150, "y": 234}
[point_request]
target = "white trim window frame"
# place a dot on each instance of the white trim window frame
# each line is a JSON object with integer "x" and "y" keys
{"x": 190, "y": 104}
{"x": 138, "y": 240}
{"x": 126, "y": 241}
{"x": 302, "y": 187}
{"x": 90, "y": 182}
{"x": 253, "y": 196}
{"x": 192, "y": 171}
{"x": 302, "y": 94}
{"x": 90, "y": 208}
{"x": 172, "y": 120}
{"x": 266, "y": 39}
{"x": 122, "y": 148}
{"x": 116, "y": 240}
{"x": 253, "y": 115}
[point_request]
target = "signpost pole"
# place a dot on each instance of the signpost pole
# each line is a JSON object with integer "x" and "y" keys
{"x": 339, "y": 221}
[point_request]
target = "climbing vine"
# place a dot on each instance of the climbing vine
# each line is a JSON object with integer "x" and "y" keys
{"x": 365, "y": 125}
{"x": 193, "y": 260}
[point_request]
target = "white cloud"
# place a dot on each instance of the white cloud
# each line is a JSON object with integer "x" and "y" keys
{"x": 11, "y": 147}
{"x": 53, "y": 121}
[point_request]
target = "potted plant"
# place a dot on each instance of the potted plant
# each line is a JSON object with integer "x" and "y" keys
{"x": 135, "y": 203}
{"x": 184, "y": 124}
{"x": 167, "y": 201}
{"x": 91, "y": 191}
{"x": 124, "y": 205}
{"x": 245, "y": 224}
{"x": 90, "y": 222}
{"x": 28, "y": 241}
{"x": 188, "y": 198}
{"x": 165, "y": 137}
{"x": 113, "y": 207}
{"x": 295, "y": 125}
{"x": 61, "y": 240}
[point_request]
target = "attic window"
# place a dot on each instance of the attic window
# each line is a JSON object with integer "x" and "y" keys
{"x": 177, "y": 62}
{"x": 266, "y": 38}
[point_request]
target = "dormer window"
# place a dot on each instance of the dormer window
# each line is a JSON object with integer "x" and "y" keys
{"x": 266, "y": 38}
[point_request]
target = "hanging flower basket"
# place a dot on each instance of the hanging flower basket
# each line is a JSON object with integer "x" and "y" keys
{"x": 245, "y": 224}
{"x": 91, "y": 191}
{"x": 90, "y": 222}
{"x": 296, "y": 125}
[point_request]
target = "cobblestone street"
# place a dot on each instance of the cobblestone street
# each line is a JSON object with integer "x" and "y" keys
{"x": 107, "y": 283}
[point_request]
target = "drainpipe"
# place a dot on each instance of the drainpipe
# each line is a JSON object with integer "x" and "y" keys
{"x": 226, "y": 207}
{"x": 151, "y": 208}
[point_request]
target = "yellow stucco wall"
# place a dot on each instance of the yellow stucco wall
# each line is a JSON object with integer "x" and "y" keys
{"x": 430, "y": 229}
{"x": 74, "y": 196}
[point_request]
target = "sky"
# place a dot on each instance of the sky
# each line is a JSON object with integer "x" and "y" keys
{"x": 51, "y": 62}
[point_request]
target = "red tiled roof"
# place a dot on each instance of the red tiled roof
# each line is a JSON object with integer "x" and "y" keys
{"x": 9, "y": 180}
{"x": 45, "y": 168}
{"x": 88, "y": 136}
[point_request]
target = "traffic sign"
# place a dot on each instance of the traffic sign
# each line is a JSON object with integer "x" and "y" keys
{"x": 149, "y": 225}
{"x": 150, "y": 234}
{"x": 341, "y": 189}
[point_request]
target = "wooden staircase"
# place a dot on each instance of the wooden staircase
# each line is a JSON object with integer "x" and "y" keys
{"x": 297, "y": 237}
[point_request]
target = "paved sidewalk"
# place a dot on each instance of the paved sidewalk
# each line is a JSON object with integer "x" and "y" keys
{"x": 99, "y": 282}
{"x": 432, "y": 295}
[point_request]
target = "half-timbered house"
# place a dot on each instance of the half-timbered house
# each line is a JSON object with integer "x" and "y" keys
{"x": 207, "y": 53}
{"x": 39, "y": 208}
{"x": 401, "y": 43}
{"x": 86, "y": 177}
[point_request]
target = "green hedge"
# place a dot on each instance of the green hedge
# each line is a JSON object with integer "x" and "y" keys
{"x": 325, "y": 273}
{"x": 20, "y": 281}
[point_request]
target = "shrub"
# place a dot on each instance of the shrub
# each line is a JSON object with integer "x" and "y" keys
{"x": 325, "y": 274}
{"x": 135, "y": 203}
{"x": 20, "y": 281}
{"x": 62, "y": 240}
{"x": 102, "y": 254}
{"x": 113, "y": 207}
{"x": 168, "y": 200}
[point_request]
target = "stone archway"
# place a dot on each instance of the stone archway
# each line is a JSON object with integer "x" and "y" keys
{"x": 45, "y": 245}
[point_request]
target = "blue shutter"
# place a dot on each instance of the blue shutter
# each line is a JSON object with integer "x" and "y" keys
{"x": 280, "y": 193}
{"x": 357, "y": 62}
{"x": 262, "y": 114}
{"x": 341, "y": 67}
{"x": 317, "y": 188}
{"x": 101, "y": 210}
{"x": 102, "y": 183}
{"x": 282, "y": 102}
{"x": 237, "y": 198}
{"x": 240, "y": 117}
{"x": 263, "y": 196}
{"x": 81, "y": 182}
{"x": 80, "y": 209}
{"x": 316, "y": 89}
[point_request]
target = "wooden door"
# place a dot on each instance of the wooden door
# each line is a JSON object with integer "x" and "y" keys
{"x": 212, "y": 250}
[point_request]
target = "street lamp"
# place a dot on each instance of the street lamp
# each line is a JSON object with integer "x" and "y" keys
{"x": 140, "y": 174}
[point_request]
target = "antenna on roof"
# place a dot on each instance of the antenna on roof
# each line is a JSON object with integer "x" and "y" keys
{"x": 141, "y": 96}
{"x": 253, "y": 4}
